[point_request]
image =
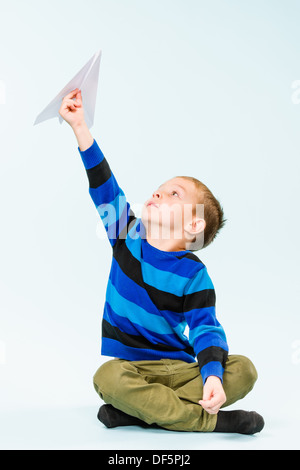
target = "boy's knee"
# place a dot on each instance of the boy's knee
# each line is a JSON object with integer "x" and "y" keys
{"x": 248, "y": 371}
{"x": 103, "y": 379}
{"x": 108, "y": 378}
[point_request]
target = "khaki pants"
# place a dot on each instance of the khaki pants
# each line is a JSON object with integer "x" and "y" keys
{"x": 166, "y": 392}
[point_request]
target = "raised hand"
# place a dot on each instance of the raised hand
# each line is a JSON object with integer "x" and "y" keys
{"x": 72, "y": 112}
{"x": 71, "y": 109}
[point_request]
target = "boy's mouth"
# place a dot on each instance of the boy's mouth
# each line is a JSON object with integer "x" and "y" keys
{"x": 152, "y": 204}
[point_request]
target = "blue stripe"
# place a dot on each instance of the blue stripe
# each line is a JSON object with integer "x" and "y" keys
{"x": 187, "y": 266}
{"x": 163, "y": 280}
{"x": 135, "y": 313}
{"x": 200, "y": 282}
{"x": 92, "y": 156}
{"x": 207, "y": 340}
{"x": 207, "y": 332}
{"x": 137, "y": 294}
{"x": 184, "y": 267}
{"x": 121, "y": 322}
{"x": 113, "y": 222}
{"x": 176, "y": 320}
{"x": 133, "y": 242}
{"x": 130, "y": 290}
{"x": 180, "y": 330}
{"x": 113, "y": 209}
{"x": 106, "y": 192}
{"x": 203, "y": 315}
{"x": 133, "y": 292}
{"x": 166, "y": 281}
{"x": 133, "y": 329}
{"x": 212, "y": 368}
{"x": 111, "y": 347}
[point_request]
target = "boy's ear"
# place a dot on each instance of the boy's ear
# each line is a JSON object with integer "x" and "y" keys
{"x": 196, "y": 226}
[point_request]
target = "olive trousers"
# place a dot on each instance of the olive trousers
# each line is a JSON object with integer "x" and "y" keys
{"x": 166, "y": 392}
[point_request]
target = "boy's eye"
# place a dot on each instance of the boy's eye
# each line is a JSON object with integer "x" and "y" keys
{"x": 174, "y": 192}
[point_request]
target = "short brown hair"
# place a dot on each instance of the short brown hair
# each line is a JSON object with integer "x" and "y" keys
{"x": 213, "y": 212}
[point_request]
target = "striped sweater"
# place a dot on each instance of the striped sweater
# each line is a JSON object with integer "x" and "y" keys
{"x": 153, "y": 297}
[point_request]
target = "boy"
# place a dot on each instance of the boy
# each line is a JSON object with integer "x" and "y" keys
{"x": 156, "y": 288}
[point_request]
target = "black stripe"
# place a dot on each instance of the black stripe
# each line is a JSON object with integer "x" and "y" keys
{"x": 99, "y": 174}
{"x": 190, "y": 256}
{"x": 201, "y": 299}
{"x": 123, "y": 233}
{"x": 136, "y": 341}
{"x": 129, "y": 215}
{"x": 132, "y": 268}
{"x": 213, "y": 353}
{"x": 162, "y": 300}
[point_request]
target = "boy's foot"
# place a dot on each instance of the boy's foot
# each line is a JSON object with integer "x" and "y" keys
{"x": 239, "y": 421}
{"x": 112, "y": 417}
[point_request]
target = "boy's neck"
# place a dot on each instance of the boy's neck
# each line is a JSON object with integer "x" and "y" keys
{"x": 166, "y": 245}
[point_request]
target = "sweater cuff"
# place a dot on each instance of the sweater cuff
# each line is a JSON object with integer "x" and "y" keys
{"x": 91, "y": 156}
{"x": 212, "y": 368}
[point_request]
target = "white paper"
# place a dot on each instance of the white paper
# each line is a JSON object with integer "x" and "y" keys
{"x": 87, "y": 81}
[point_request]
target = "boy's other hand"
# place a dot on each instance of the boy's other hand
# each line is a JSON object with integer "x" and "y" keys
{"x": 213, "y": 395}
{"x": 71, "y": 109}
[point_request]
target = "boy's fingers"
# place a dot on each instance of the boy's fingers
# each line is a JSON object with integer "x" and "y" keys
{"x": 78, "y": 101}
{"x": 214, "y": 409}
{"x": 69, "y": 103}
{"x": 211, "y": 404}
{"x": 209, "y": 409}
{"x": 72, "y": 94}
{"x": 211, "y": 412}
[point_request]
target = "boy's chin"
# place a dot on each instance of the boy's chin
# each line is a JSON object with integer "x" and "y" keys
{"x": 149, "y": 219}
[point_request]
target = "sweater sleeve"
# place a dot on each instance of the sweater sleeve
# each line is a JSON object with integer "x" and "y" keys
{"x": 108, "y": 197}
{"x": 206, "y": 334}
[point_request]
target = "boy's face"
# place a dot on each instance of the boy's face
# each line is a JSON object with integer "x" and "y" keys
{"x": 168, "y": 213}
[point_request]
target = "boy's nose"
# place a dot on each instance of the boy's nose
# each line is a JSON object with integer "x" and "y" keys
{"x": 156, "y": 194}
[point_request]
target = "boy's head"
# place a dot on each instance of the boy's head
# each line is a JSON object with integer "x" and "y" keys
{"x": 183, "y": 209}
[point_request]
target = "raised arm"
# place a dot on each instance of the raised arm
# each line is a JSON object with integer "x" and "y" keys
{"x": 72, "y": 112}
{"x": 104, "y": 190}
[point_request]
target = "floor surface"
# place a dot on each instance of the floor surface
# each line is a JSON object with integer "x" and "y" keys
{"x": 78, "y": 428}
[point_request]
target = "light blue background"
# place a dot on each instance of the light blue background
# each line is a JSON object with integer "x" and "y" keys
{"x": 194, "y": 87}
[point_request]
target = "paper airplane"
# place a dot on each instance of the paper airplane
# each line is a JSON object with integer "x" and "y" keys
{"x": 87, "y": 81}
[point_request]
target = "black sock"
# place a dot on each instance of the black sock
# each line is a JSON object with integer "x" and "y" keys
{"x": 112, "y": 417}
{"x": 239, "y": 421}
